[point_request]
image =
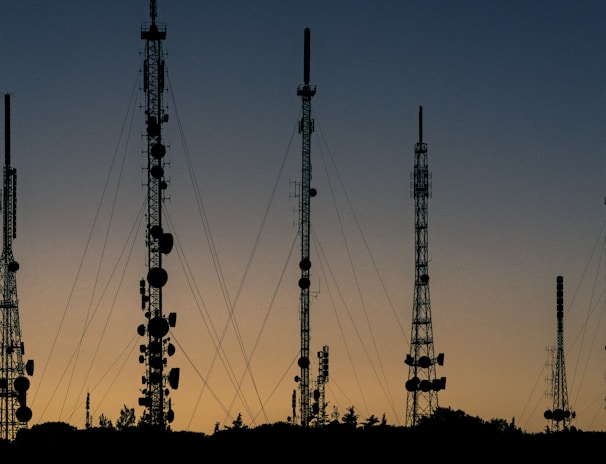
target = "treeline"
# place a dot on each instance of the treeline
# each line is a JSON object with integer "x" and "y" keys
{"x": 447, "y": 434}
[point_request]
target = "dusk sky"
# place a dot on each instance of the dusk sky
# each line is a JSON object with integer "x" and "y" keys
{"x": 514, "y": 111}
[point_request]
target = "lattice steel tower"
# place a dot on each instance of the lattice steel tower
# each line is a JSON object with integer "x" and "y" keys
{"x": 422, "y": 384}
{"x": 318, "y": 407}
{"x": 560, "y": 416}
{"x": 14, "y": 412}
{"x": 158, "y": 411}
{"x": 306, "y": 127}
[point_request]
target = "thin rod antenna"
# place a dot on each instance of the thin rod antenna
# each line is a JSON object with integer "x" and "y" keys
{"x": 153, "y": 11}
{"x": 420, "y": 124}
{"x": 306, "y": 56}
{"x": 7, "y": 129}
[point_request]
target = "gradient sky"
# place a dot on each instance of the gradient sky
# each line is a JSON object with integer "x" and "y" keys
{"x": 514, "y": 104}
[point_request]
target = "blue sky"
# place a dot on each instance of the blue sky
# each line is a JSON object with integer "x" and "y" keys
{"x": 514, "y": 103}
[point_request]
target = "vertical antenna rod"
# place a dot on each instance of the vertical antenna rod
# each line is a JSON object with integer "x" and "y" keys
{"x": 420, "y": 124}
{"x": 306, "y": 55}
{"x": 14, "y": 412}
{"x": 422, "y": 384}
{"x": 560, "y": 416}
{"x": 306, "y": 127}
{"x": 158, "y": 413}
{"x": 7, "y": 130}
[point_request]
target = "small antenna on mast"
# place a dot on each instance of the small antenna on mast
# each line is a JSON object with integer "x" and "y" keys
{"x": 306, "y": 53}
{"x": 7, "y": 129}
{"x": 152, "y": 10}
{"x": 420, "y": 124}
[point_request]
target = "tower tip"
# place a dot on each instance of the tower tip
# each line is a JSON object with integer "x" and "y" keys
{"x": 306, "y": 54}
{"x": 420, "y": 124}
{"x": 153, "y": 10}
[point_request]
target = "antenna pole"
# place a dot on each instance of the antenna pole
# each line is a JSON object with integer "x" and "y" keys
{"x": 306, "y": 127}
{"x": 14, "y": 412}
{"x": 420, "y": 124}
{"x": 422, "y": 384}
{"x": 158, "y": 412}
{"x": 7, "y": 130}
{"x": 560, "y": 416}
{"x": 88, "y": 424}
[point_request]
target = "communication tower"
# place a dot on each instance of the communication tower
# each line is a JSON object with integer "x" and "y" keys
{"x": 88, "y": 423}
{"x": 158, "y": 411}
{"x": 319, "y": 405}
{"x": 559, "y": 416}
{"x": 306, "y": 127}
{"x": 422, "y": 384}
{"x": 14, "y": 412}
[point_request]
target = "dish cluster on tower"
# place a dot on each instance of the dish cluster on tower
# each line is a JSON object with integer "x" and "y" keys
{"x": 154, "y": 353}
{"x": 14, "y": 371}
{"x": 560, "y": 415}
{"x": 423, "y": 384}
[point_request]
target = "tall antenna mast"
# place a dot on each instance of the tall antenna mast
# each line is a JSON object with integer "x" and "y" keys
{"x": 14, "y": 412}
{"x": 306, "y": 127}
{"x": 560, "y": 416}
{"x": 422, "y": 384}
{"x": 158, "y": 412}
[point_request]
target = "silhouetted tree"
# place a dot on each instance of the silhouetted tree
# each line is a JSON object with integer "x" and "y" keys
{"x": 472, "y": 436}
{"x": 457, "y": 422}
{"x": 350, "y": 418}
{"x": 39, "y": 437}
{"x": 372, "y": 420}
{"x": 50, "y": 428}
{"x": 238, "y": 423}
{"x": 502, "y": 426}
{"x": 383, "y": 420}
{"x": 451, "y": 418}
{"x": 334, "y": 415}
{"x": 105, "y": 423}
{"x": 126, "y": 419}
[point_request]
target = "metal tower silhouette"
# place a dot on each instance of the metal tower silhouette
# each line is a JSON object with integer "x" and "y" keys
{"x": 14, "y": 412}
{"x": 306, "y": 127}
{"x": 319, "y": 405}
{"x": 422, "y": 384}
{"x": 560, "y": 416}
{"x": 88, "y": 423}
{"x": 158, "y": 412}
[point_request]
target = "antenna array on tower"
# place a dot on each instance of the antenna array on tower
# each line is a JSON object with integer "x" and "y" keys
{"x": 158, "y": 412}
{"x": 422, "y": 384}
{"x": 560, "y": 415}
{"x": 14, "y": 412}
{"x": 306, "y": 127}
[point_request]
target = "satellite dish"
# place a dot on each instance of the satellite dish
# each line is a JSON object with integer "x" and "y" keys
{"x": 23, "y": 414}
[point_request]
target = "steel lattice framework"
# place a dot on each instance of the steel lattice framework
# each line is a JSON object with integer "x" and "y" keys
{"x": 422, "y": 384}
{"x": 158, "y": 412}
{"x": 14, "y": 413}
{"x": 306, "y": 127}
{"x": 560, "y": 416}
{"x": 319, "y": 405}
